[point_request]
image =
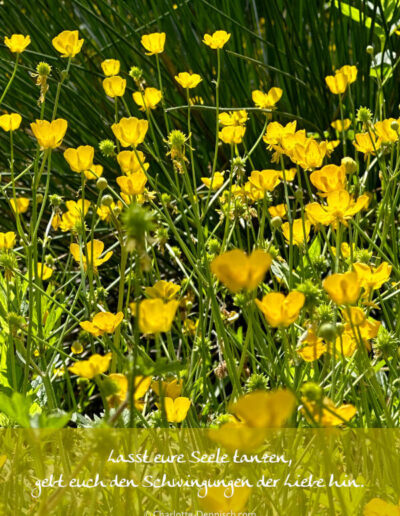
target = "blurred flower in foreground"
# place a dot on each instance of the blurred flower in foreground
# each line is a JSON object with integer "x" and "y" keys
{"x": 324, "y": 413}
{"x": 217, "y": 502}
{"x": 7, "y": 240}
{"x": 20, "y": 205}
{"x": 236, "y": 270}
{"x": 378, "y": 507}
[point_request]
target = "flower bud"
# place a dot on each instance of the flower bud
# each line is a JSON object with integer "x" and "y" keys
{"x": 107, "y": 200}
{"x": 101, "y": 183}
{"x": 349, "y": 164}
{"x": 327, "y": 331}
{"x": 276, "y": 222}
{"x": 107, "y": 148}
{"x": 43, "y": 69}
{"x": 312, "y": 391}
{"x": 395, "y": 125}
{"x": 370, "y": 50}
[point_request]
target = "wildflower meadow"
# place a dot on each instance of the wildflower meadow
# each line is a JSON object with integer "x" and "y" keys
{"x": 199, "y": 222}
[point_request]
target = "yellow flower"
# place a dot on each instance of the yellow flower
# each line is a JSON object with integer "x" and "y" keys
{"x": 133, "y": 184}
{"x": 17, "y": 43}
{"x": 153, "y": 43}
{"x": 80, "y": 159}
{"x": 261, "y": 409}
{"x": 337, "y": 83}
{"x": 141, "y": 386}
{"x": 95, "y": 172}
{"x": 289, "y": 175}
{"x": 276, "y": 132}
{"x": 339, "y": 126}
{"x": 155, "y": 316}
{"x": 236, "y": 270}
{"x": 131, "y": 161}
{"x": 384, "y": 131}
{"x": 279, "y": 210}
{"x": 188, "y": 80}
{"x": 163, "y": 289}
{"x": 329, "y": 178}
{"x": 96, "y": 365}
{"x": 280, "y": 310}
{"x": 372, "y": 278}
{"x": 266, "y": 100}
{"x": 7, "y": 240}
{"x": 216, "y": 502}
{"x": 340, "y": 207}
{"x": 343, "y": 289}
{"x": 110, "y": 67}
{"x": 366, "y": 143}
{"x": 264, "y": 180}
{"x": 239, "y": 117}
{"x": 214, "y": 182}
{"x": 327, "y": 414}
{"x": 147, "y": 100}
{"x": 232, "y": 134}
{"x": 378, "y": 507}
{"x": 170, "y": 389}
{"x": 21, "y": 205}
{"x": 312, "y": 347}
{"x": 354, "y": 315}
{"x": 216, "y": 40}
{"x": 298, "y": 237}
{"x": 130, "y": 131}
{"x": 68, "y": 43}
{"x": 114, "y": 86}
{"x": 103, "y": 322}
{"x": 104, "y": 212}
{"x": 75, "y": 208}
{"x": 93, "y": 250}
{"x": 10, "y": 122}
{"x": 344, "y": 249}
{"x": 309, "y": 155}
{"x": 44, "y": 272}
{"x": 176, "y": 409}
{"x": 49, "y": 134}
{"x": 349, "y": 71}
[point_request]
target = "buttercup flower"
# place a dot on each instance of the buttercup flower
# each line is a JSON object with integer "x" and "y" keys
{"x": 176, "y": 409}
{"x": 343, "y": 289}
{"x": 188, "y": 80}
{"x": 95, "y": 172}
{"x": 312, "y": 347}
{"x": 232, "y": 134}
{"x": 349, "y": 71}
{"x": 130, "y": 131}
{"x": 236, "y": 270}
{"x": 20, "y": 205}
{"x": 153, "y": 43}
{"x": 147, "y": 99}
{"x": 170, "y": 389}
{"x": 339, "y": 126}
{"x": 163, "y": 289}
{"x": 103, "y": 322}
{"x": 367, "y": 143}
{"x": 301, "y": 231}
{"x": 80, "y": 159}
{"x": 372, "y": 278}
{"x": 17, "y": 43}
{"x": 327, "y": 414}
{"x": 378, "y": 507}
{"x": 133, "y": 184}
{"x": 114, "y": 86}
{"x": 94, "y": 250}
{"x": 239, "y": 117}
{"x": 155, "y": 316}
{"x": 10, "y": 122}
{"x": 43, "y": 271}
{"x": 337, "y": 83}
{"x": 110, "y": 67}
{"x": 213, "y": 182}
{"x": 266, "y": 100}
{"x": 131, "y": 161}
{"x": 7, "y": 240}
{"x": 49, "y": 134}
{"x": 385, "y": 132}
{"x": 141, "y": 386}
{"x": 279, "y": 210}
{"x": 216, "y": 501}
{"x": 68, "y": 43}
{"x": 280, "y": 310}
{"x": 329, "y": 179}
{"x": 96, "y": 365}
{"x": 264, "y": 180}
{"x": 340, "y": 208}
{"x": 216, "y": 40}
